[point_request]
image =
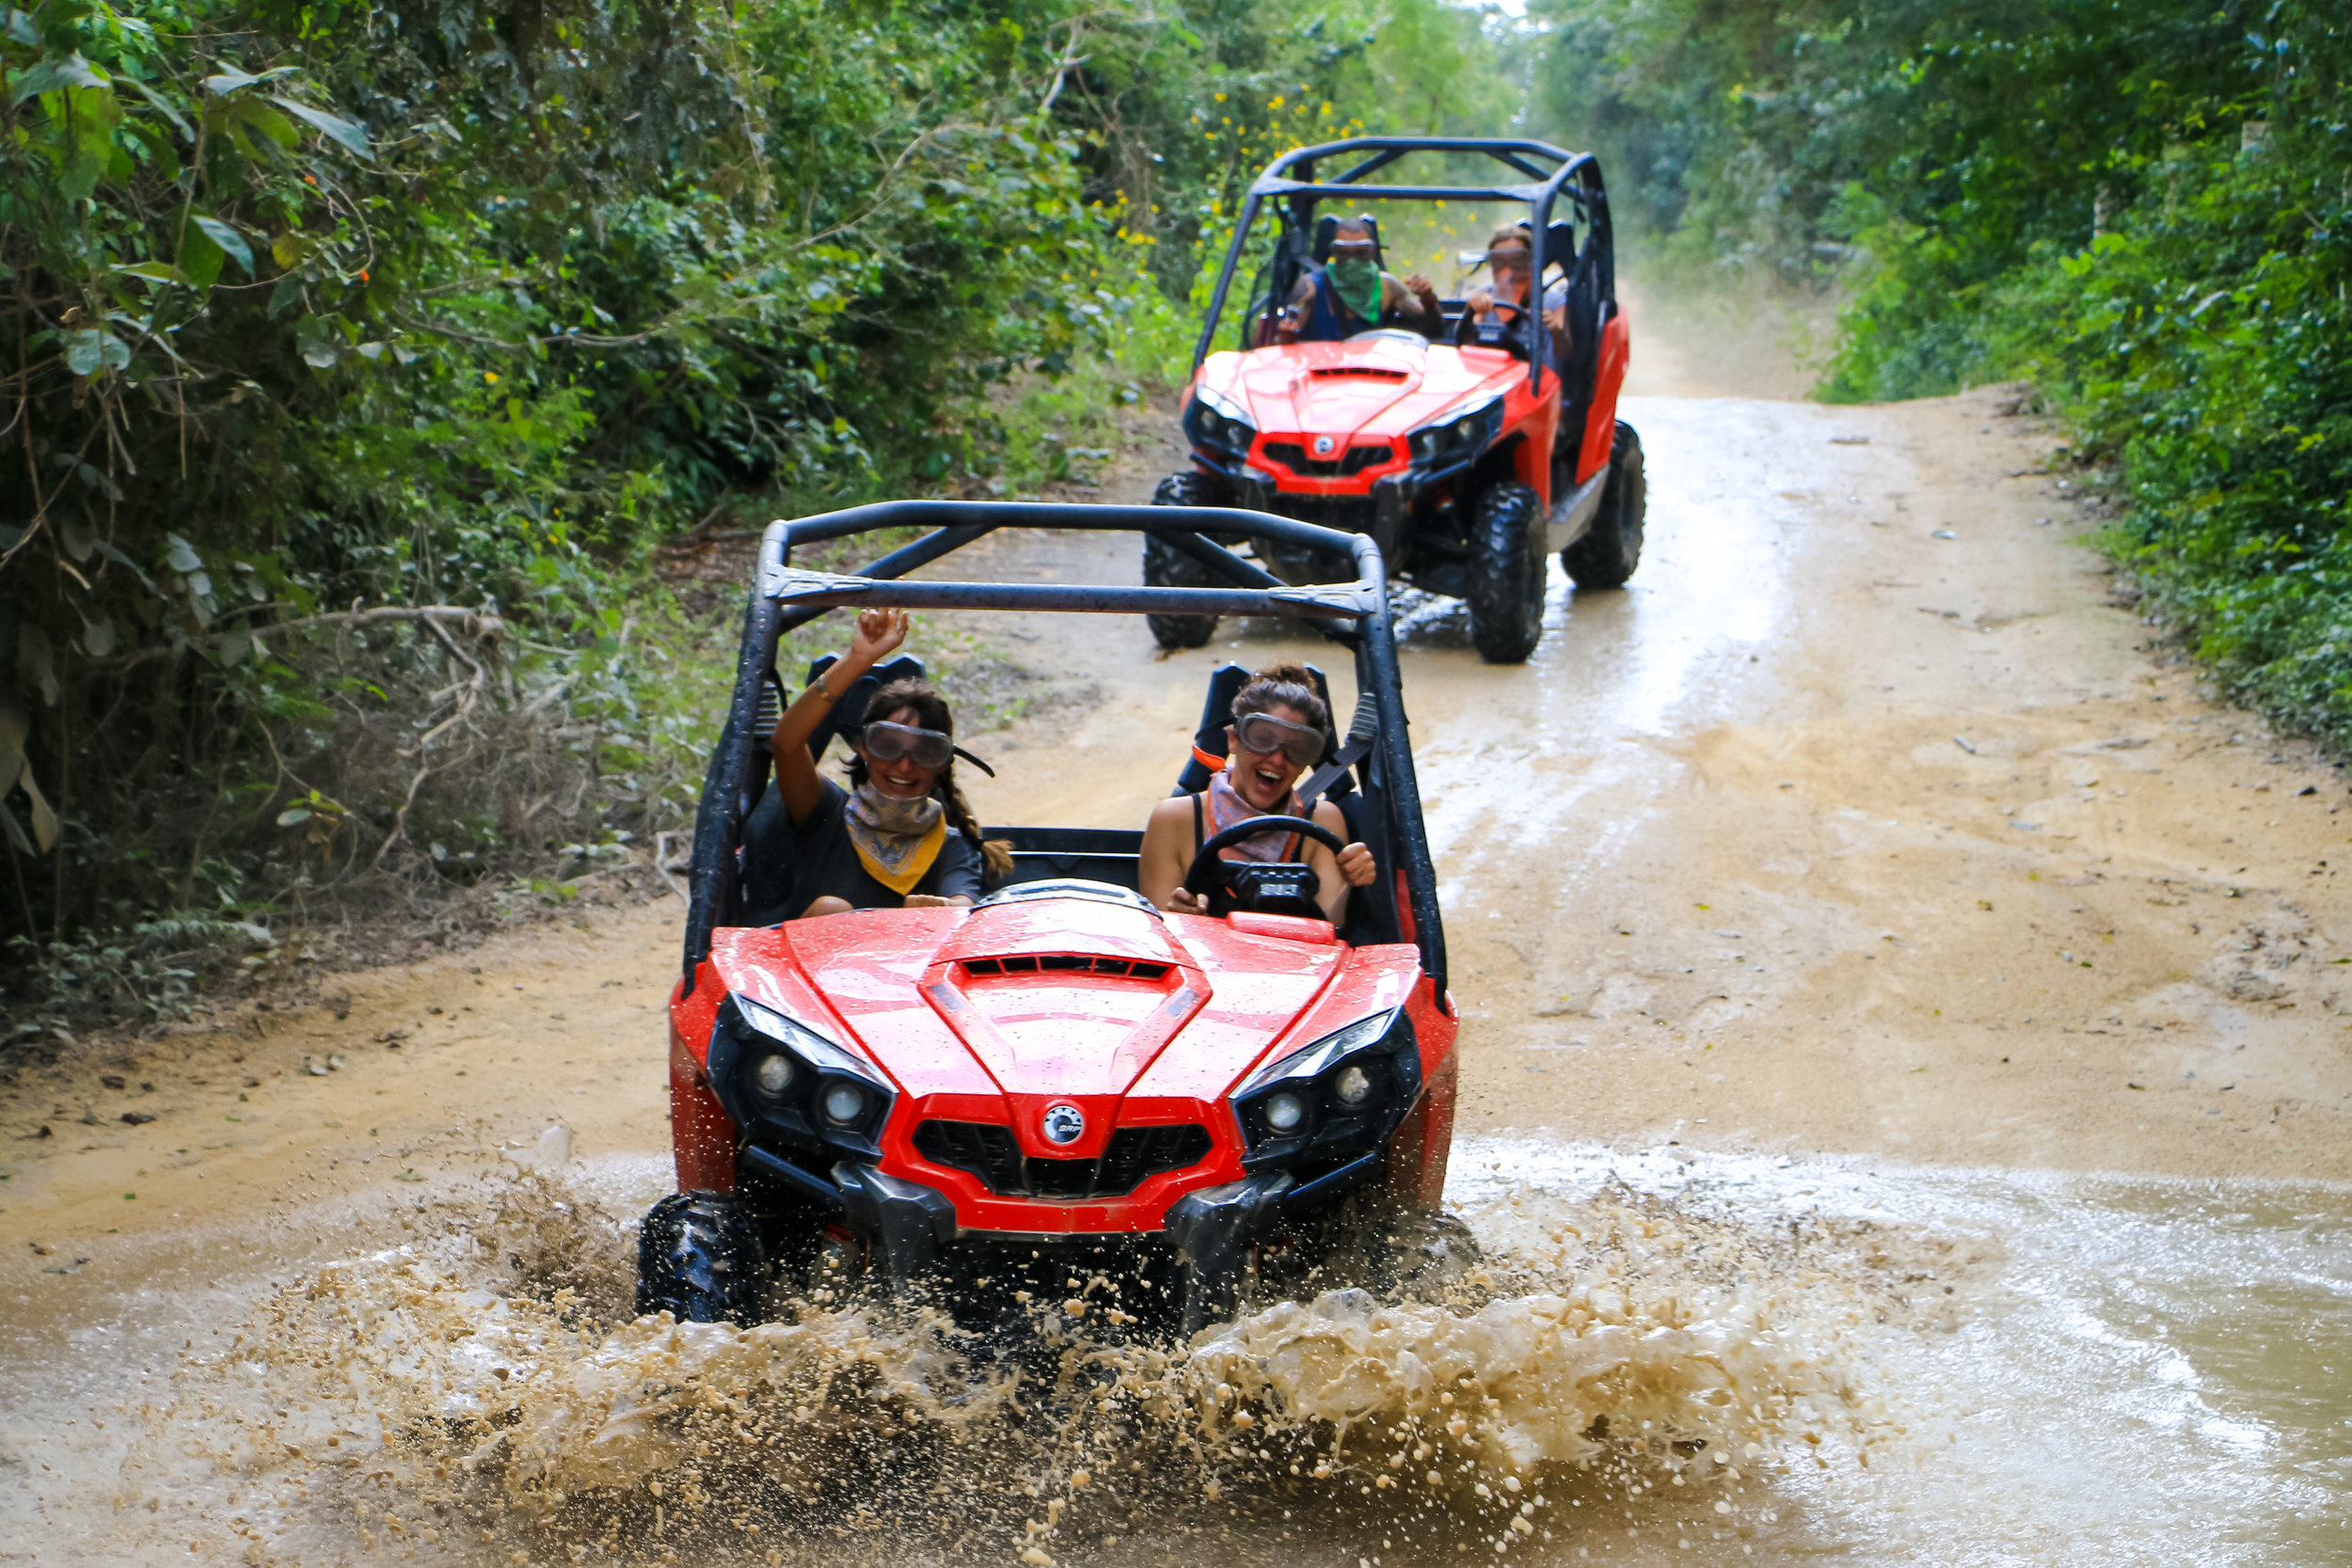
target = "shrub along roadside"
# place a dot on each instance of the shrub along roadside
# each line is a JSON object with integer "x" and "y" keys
{"x": 355, "y": 358}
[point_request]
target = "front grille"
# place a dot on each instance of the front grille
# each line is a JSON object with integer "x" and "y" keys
{"x": 1073, "y": 963}
{"x": 988, "y": 1151}
{"x": 984, "y": 1148}
{"x": 1355, "y": 460}
{"x": 1348, "y": 513}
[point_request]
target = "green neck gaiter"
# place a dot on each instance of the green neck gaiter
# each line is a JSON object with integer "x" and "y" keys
{"x": 1358, "y": 284}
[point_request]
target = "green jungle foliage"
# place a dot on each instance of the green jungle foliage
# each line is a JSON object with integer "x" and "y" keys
{"x": 356, "y": 358}
{"x": 2141, "y": 207}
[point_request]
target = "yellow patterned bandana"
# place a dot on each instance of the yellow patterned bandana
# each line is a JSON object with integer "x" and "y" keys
{"x": 896, "y": 840}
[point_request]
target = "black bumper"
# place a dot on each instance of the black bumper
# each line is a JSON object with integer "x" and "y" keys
{"x": 912, "y": 1227}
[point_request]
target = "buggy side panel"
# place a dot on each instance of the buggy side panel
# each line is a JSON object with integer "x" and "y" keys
{"x": 700, "y": 1134}
{"x": 1600, "y": 426}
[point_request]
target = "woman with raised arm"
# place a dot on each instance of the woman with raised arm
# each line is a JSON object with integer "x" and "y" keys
{"x": 900, "y": 836}
{"x": 1279, "y": 731}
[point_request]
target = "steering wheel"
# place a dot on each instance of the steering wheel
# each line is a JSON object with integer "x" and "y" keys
{"x": 1210, "y": 875}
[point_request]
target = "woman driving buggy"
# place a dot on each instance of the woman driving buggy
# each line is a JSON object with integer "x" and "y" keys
{"x": 1496, "y": 316}
{"x": 885, "y": 841}
{"x": 1279, "y": 731}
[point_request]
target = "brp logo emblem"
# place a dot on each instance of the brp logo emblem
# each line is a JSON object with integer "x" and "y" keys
{"x": 1323, "y": 444}
{"x": 1065, "y": 1124}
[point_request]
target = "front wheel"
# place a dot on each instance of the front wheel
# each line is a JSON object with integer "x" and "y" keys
{"x": 1606, "y": 556}
{"x": 1164, "y": 567}
{"x": 700, "y": 1261}
{"x": 1506, "y": 573}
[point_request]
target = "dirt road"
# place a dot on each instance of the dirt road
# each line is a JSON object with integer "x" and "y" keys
{"x": 1861, "y": 826}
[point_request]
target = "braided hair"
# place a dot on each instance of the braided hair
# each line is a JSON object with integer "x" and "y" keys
{"x": 931, "y": 713}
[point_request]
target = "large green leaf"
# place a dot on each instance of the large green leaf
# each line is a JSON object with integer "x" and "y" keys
{"x": 59, "y": 71}
{"x": 92, "y": 347}
{"x": 163, "y": 107}
{"x": 352, "y": 138}
{"x": 228, "y": 239}
{"x": 276, "y": 127}
{"x": 199, "y": 258}
{"x": 228, "y": 79}
{"x": 321, "y": 344}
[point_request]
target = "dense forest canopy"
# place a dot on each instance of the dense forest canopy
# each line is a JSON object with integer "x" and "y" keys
{"x": 357, "y": 353}
{"x": 356, "y": 356}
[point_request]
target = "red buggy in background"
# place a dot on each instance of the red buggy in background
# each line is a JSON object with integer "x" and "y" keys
{"x": 1467, "y": 466}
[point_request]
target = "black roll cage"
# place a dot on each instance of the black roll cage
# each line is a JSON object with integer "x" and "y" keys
{"x": 1291, "y": 179}
{"x": 1354, "y": 614}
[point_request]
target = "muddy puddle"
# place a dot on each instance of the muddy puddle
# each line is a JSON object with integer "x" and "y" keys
{"x": 1662, "y": 1356}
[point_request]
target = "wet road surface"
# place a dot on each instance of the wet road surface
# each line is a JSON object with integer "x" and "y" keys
{"x": 1847, "y": 912}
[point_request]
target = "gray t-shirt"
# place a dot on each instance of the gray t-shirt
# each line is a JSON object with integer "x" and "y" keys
{"x": 824, "y": 860}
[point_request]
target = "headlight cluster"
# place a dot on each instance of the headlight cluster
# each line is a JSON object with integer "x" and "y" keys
{"x": 1213, "y": 421}
{"x": 771, "y": 1072}
{"x": 1462, "y": 433}
{"x": 1335, "y": 1100}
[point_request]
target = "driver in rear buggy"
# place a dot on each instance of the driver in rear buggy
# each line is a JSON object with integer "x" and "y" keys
{"x": 1496, "y": 316}
{"x": 1279, "y": 731}
{"x": 902, "y": 835}
{"x": 1350, "y": 293}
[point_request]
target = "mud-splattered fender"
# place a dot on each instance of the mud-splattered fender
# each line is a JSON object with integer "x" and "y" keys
{"x": 700, "y": 1134}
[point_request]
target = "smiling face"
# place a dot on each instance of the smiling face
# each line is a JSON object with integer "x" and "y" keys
{"x": 900, "y": 777}
{"x": 1264, "y": 778}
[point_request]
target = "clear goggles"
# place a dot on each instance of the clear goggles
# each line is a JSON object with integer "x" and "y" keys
{"x": 1354, "y": 250}
{"x": 885, "y": 741}
{"x": 1262, "y": 733}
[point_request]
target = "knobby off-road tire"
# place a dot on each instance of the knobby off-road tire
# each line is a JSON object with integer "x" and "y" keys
{"x": 1506, "y": 573}
{"x": 1164, "y": 567}
{"x": 1606, "y": 556}
{"x": 699, "y": 1259}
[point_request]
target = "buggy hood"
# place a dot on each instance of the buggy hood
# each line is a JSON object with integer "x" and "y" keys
{"x": 1023, "y": 1004}
{"x": 1378, "y": 386}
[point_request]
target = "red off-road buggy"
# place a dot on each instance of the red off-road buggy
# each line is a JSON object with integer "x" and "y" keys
{"x": 1467, "y": 466}
{"x": 1061, "y": 1083}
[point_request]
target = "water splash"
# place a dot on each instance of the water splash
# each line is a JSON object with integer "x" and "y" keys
{"x": 477, "y": 1392}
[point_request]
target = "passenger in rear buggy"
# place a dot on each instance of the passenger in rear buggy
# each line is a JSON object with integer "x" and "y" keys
{"x": 1279, "y": 731}
{"x": 900, "y": 836}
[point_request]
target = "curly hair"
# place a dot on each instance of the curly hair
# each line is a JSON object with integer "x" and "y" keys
{"x": 931, "y": 713}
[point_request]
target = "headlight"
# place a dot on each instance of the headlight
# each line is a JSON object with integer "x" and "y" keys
{"x": 1457, "y": 434}
{"x": 777, "y": 1077}
{"x": 773, "y": 1075}
{"x": 1319, "y": 1107}
{"x": 1215, "y": 421}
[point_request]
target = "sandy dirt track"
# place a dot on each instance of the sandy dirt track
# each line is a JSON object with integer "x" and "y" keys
{"x": 1831, "y": 835}
{"x": 1822, "y": 907}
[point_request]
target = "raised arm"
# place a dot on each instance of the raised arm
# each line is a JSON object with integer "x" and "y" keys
{"x": 878, "y": 634}
{"x": 1414, "y": 297}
